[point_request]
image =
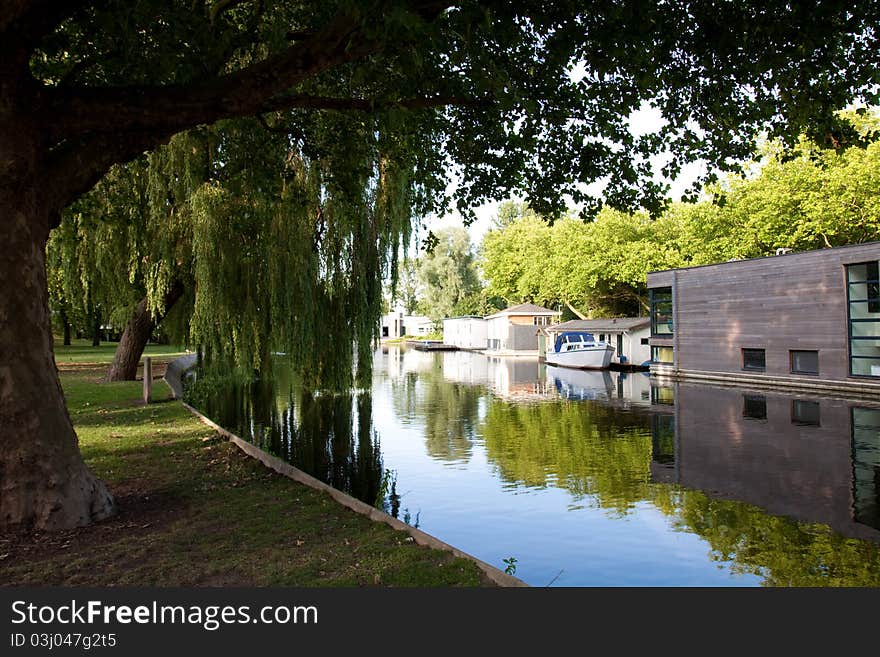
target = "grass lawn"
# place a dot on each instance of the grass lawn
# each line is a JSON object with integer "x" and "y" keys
{"x": 196, "y": 511}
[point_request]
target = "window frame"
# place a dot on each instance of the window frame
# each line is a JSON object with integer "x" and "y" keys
{"x": 871, "y": 282}
{"x": 792, "y": 352}
{"x": 658, "y": 296}
{"x": 655, "y": 347}
{"x": 749, "y": 368}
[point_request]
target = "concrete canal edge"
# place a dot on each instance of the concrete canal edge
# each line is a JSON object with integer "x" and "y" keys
{"x": 173, "y": 377}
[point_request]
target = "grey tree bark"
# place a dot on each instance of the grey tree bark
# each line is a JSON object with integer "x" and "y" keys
{"x": 44, "y": 482}
{"x": 137, "y": 333}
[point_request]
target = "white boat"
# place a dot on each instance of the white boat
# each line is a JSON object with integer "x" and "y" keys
{"x": 581, "y": 350}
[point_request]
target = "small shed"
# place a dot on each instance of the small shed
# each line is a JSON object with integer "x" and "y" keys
{"x": 467, "y": 332}
{"x": 513, "y": 329}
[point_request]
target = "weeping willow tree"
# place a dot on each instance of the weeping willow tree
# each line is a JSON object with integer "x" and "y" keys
{"x": 268, "y": 242}
{"x": 126, "y": 248}
{"x": 292, "y": 257}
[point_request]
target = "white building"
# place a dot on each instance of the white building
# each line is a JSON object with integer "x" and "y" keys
{"x": 628, "y": 335}
{"x": 514, "y": 330}
{"x": 397, "y": 324}
{"x": 469, "y": 332}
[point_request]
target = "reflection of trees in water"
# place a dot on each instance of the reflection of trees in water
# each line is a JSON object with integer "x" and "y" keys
{"x": 588, "y": 449}
{"x": 449, "y": 411}
{"x": 329, "y": 436}
{"x": 783, "y": 551}
{"x": 404, "y": 395}
{"x": 593, "y": 451}
{"x": 603, "y": 453}
{"x": 337, "y": 448}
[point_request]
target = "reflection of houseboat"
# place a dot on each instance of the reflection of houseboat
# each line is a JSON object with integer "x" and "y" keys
{"x": 580, "y": 350}
{"x": 580, "y": 384}
{"x": 812, "y": 459}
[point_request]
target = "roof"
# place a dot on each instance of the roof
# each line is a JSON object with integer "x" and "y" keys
{"x": 614, "y": 324}
{"x": 524, "y": 309}
{"x": 448, "y": 319}
{"x": 788, "y": 254}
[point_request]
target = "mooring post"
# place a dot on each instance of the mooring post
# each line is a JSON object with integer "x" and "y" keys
{"x": 148, "y": 379}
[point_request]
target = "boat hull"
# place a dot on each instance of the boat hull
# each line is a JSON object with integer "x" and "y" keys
{"x": 591, "y": 358}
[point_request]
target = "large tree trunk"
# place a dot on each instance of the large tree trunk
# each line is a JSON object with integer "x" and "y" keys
{"x": 136, "y": 335}
{"x": 43, "y": 480}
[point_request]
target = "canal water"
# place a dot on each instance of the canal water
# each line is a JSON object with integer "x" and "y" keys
{"x": 575, "y": 478}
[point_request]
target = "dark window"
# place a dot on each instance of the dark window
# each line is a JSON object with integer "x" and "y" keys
{"x": 805, "y": 412}
{"x": 644, "y": 340}
{"x": 755, "y": 407}
{"x": 866, "y": 466}
{"x": 804, "y": 362}
{"x": 754, "y": 359}
{"x": 661, "y": 311}
{"x": 873, "y": 286}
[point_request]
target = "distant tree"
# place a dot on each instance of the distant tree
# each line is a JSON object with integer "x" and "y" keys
{"x": 810, "y": 199}
{"x": 595, "y": 268}
{"x": 407, "y": 288}
{"x": 805, "y": 198}
{"x": 447, "y": 274}
{"x": 514, "y": 258}
{"x": 479, "y": 303}
{"x": 511, "y": 211}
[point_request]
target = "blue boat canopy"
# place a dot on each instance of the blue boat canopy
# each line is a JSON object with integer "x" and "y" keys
{"x": 573, "y": 336}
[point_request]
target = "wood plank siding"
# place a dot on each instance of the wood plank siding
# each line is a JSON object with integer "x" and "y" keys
{"x": 796, "y": 301}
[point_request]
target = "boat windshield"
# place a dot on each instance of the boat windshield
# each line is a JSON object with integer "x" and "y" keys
{"x": 573, "y": 336}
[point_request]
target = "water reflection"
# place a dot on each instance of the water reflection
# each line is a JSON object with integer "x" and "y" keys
{"x": 331, "y": 437}
{"x": 448, "y": 411}
{"x": 789, "y": 455}
{"x": 600, "y": 476}
{"x": 866, "y": 466}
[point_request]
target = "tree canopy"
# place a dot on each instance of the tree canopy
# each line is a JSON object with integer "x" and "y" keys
{"x": 537, "y": 93}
